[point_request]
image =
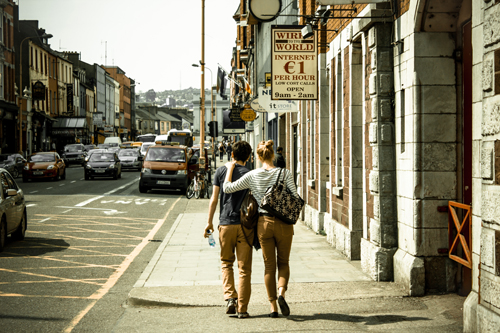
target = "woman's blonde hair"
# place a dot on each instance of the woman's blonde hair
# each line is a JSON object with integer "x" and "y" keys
{"x": 265, "y": 150}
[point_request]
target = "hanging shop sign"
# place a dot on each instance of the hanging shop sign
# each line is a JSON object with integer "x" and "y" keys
{"x": 231, "y": 122}
{"x": 255, "y": 105}
{"x": 97, "y": 119}
{"x": 265, "y": 10}
{"x": 247, "y": 114}
{"x": 38, "y": 91}
{"x": 294, "y": 65}
{"x": 69, "y": 94}
{"x": 276, "y": 106}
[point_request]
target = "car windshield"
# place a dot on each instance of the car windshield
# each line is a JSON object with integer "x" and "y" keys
{"x": 102, "y": 157}
{"x": 73, "y": 149}
{"x": 103, "y": 146}
{"x": 127, "y": 153}
{"x": 42, "y": 158}
{"x": 145, "y": 146}
{"x": 4, "y": 157}
{"x": 166, "y": 155}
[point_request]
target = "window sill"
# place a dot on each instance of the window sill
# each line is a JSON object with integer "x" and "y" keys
{"x": 337, "y": 190}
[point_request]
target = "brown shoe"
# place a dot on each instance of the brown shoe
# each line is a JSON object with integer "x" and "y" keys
{"x": 232, "y": 303}
{"x": 242, "y": 315}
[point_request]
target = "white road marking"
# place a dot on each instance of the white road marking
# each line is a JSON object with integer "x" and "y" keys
{"x": 73, "y": 181}
{"x": 82, "y": 178}
{"x": 49, "y": 188}
{"x": 81, "y": 204}
{"x": 106, "y": 211}
{"x": 33, "y": 191}
{"x": 62, "y": 184}
{"x": 41, "y": 221}
{"x": 30, "y": 205}
{"x": 67, "y": 211}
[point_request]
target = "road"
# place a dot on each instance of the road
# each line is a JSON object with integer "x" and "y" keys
{"x": 87, "y": 243}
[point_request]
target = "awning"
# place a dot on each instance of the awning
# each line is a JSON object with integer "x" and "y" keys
{"x": 70, "y": 123}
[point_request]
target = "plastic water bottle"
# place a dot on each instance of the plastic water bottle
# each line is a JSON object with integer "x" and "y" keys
{"x": 211, "y": 240}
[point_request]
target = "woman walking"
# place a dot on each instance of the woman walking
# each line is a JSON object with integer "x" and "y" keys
{"x": 275, "y": 236}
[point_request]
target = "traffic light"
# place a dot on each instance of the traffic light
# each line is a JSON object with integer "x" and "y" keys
{"x": 213, "y": 129}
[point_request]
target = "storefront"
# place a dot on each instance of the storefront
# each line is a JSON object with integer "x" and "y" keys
{"x": 70, "y": 130}
{"x": 8, "y": 128}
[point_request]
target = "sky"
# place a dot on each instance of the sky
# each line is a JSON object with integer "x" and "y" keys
{"x": 154, "y": 41}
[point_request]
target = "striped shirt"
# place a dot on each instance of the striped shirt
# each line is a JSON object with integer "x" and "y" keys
{"x": 258, "y": 181}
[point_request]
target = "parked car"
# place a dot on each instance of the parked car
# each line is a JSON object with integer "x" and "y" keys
{"x": 103, "y": 164}
{"x": 13, "y": 163}
{"x": 130, "y": 159}
{"x": 13, "y": 219}
{"x": 74, "y": 154}
{"x": 126, "y": 144}
{"x": 47, "y": 165}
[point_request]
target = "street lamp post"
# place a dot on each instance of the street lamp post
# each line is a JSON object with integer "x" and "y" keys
{"x": 20, "y": 115}
{"x": 211, "y": 108}
{"x": 202, "y": 101}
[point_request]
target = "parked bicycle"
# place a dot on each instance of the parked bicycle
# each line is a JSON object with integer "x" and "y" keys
{"x": 200, "y": 186}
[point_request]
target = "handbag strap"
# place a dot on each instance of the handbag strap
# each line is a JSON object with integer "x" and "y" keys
{"x": 244, "y": 234}
{"x": 279, "y": 176}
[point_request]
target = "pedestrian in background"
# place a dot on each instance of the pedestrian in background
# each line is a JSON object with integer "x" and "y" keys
{"x": 229, "y": 150}
{"x": 280, "y": 159}
{"x": 275, "y": 236}
{"x": 222, "y": 151}
{"x": 231, "y": 234}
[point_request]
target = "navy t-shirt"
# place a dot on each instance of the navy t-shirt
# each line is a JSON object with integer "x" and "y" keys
{"x": 229, "y": 203}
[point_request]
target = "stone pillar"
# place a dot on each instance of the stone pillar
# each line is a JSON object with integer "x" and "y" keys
{"x": 378, "y": 250}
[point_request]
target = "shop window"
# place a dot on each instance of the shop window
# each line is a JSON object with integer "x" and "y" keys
{"x": 339, "y": 124}
{"x": 403, "y": 121}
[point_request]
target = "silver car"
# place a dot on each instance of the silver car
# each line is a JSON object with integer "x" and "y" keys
{"x": 13, "y": 219}
{"x": 130, "y": 159}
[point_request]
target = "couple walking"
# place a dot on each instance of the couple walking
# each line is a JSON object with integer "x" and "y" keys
{"x": 275, "y": 236}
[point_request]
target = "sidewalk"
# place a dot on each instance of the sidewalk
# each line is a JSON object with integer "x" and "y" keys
{"x": 185, "y": 271}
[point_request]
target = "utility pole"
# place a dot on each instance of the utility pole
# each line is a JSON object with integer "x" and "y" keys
{"x": 202, "y": 101}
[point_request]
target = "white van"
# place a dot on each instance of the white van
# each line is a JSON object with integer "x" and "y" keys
{"x": 113, "y": 140}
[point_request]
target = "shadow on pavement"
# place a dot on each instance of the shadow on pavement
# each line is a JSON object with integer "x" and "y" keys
{"x": 31, "y": 246}
{"x": 31, "y": 318}
{"x": 370, "y": 320}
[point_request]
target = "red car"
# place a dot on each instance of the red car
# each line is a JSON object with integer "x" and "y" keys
{"x": 44, "y": 166}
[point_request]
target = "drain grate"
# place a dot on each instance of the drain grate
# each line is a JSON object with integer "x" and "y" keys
{"x": 155, "y": 240}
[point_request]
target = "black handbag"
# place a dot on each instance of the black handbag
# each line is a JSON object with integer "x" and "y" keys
{"x": 281, "y": 203}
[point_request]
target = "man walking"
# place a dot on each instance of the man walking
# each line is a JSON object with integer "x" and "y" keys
{"x": 229, "y": 149}
{"x": 280, "y": 160}
{"x": 222, "y": 151}
{"x": 231, "y": 234}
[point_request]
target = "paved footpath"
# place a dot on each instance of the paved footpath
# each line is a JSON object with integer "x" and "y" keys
{"x": 326, "y": 291}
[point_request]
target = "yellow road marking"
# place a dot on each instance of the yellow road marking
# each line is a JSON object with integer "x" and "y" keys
{"x": 119, "y": 272}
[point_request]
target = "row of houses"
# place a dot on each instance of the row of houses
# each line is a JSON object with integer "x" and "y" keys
{"x": 398, "y": 158}
{"x": 50, "y": 98}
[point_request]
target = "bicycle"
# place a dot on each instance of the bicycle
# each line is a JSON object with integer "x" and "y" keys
{"x": 194, "y": 187}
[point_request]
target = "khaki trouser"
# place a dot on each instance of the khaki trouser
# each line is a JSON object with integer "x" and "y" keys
{"x": 275, "y": 238}
{"x": 231, "y": 237}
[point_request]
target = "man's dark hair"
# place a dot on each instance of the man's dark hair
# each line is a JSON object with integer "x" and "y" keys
{"x": 279, "y": 149}
{"x": 241, "y": 150}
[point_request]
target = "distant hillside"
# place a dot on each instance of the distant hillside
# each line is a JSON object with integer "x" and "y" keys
{"x": 182, "y": 97}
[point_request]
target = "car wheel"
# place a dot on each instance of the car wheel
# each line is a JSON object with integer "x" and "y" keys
{"x": 3, "y": 233}
{"x": 91, "y": 178}
{"x": 86, "y": 177}
{"x": 143, "y": 189}
{"x": 64, "y": 175}
{"x": 25, "y": 180}
{"x": 21, "y": 230}
{"x": 15, "y": 173}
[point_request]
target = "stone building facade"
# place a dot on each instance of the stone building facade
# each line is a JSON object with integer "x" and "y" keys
{"x": 399, "y": 158}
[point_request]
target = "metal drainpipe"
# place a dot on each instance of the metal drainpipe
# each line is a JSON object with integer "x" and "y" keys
{"x": 418, "y": 177}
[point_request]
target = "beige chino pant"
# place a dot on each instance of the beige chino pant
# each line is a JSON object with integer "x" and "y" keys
{"x": 231, "y": 238}
{"x": 275, "y": 238}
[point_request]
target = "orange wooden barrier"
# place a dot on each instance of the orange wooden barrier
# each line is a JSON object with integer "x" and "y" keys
{"x": 463, "y": 235}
